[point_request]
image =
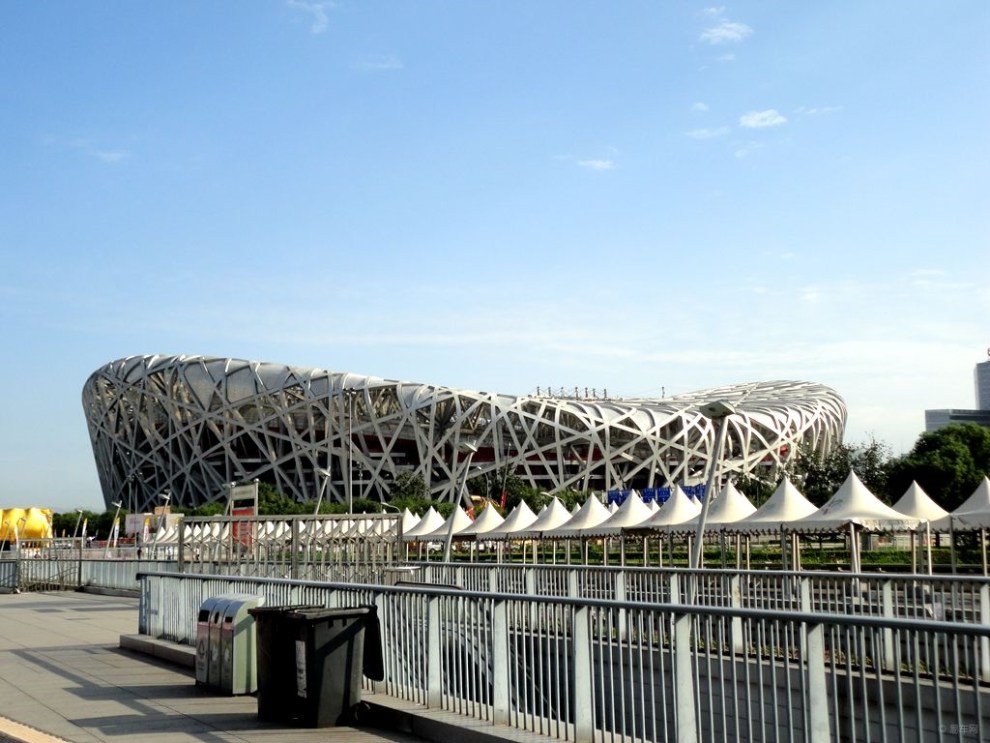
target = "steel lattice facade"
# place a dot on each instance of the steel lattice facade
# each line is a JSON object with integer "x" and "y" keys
{"x": 192, "y": 424}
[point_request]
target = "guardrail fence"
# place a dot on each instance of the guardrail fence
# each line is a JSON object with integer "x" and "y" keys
{"x": 595, "y": 669}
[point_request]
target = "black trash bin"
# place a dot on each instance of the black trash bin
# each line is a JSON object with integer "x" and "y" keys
{"x": 314, "y": 659}
{"x": 275, "y": 638}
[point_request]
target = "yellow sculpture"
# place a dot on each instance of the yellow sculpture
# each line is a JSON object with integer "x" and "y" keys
{"x": 30, "y": 523}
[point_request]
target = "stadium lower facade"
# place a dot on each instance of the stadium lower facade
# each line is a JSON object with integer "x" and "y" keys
{"x": 190, "y": 425}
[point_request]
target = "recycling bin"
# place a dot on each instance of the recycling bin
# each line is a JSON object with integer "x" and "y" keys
{"x": 311, "y": 660}
{"x": 206, "y": 611}
{"x": 238, "y": 667}
{"x": 225, "y": 643}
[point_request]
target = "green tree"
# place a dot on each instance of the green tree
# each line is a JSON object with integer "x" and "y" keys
{"x": 948, "y": 463}
{"x": 818, "y": 477}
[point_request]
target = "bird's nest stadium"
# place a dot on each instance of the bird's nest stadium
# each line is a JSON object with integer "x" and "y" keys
{"x": 190, "y": 425}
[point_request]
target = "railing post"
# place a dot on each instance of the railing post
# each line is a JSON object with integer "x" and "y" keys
{"x": 531, "y": 591}
{"x": 887, "y": 598}
{"x": 434, "y": 651}
{"x": 584, "y": 720}
{"x": 684, "y": 694}
{"x": 620, "y": 595}
{"x": 500, "y": 663}
{"x": 816, "y": 704}
{"x": 985, "y": 641}
{"x": 384, "y": 621}
{"x": 493, "y": 580}
{"x": 294, "y": 546}
{"x": 735, "y": 601}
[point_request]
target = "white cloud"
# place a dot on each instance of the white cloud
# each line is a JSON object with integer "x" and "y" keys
{"x": 730, "y": 57}
{"x": 816, "y": 110}
{"x": 725, "y": 32}
{"x": 374, "y": 64}
{"x": 110, "y": 157}
{"x": 714, "y": 11}
{"x": 699, "y": 106}
{"x": 762, "y": 119}
{"x": 746, "y": 149}
{"x": 318, "y": 10}
{"x": 720, "y": 131}
{"x": 597, "y": 164}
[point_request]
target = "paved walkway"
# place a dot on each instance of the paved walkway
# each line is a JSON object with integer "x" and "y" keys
{"x": 63, "y": 676}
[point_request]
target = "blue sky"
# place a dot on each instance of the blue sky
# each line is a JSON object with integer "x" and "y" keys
{"x": 637, "y": 196}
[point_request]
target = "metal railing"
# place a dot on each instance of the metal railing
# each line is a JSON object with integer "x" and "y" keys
{"x": 957, "y": 598}
{"x": 588, "y": 669}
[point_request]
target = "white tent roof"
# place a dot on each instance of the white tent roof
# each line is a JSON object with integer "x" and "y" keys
{"x": 488, "y": 519}
{"x": 519, "y": 519}
{"x": 785, "y": 505}
{"x": 728, "y": 507}
{"x": 679, "y": 507}
{"x": 973, "y": 513}
{"x": 632, "y": 512}
{"x": 853, "y": 503}
{"x": 554, "y": 515}
{"x": 460, "y": 521}
{"x": 409, "y": 521}
{"x": 916, "y": 503}
{"x": 591, "y": 514}
{"x": 431, "y": 520}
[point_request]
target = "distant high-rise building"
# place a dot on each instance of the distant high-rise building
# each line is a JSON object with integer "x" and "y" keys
{"x": 982, "y": 377}
{"x": 936, "y": 419}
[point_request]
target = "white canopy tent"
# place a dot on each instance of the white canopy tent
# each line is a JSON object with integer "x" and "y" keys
{"x": 916, "y": 502}
{"x": 728, "y": 507}
{"x": 487, "y": 520}
{"x": 554, "y": 515}
{"x": 591, "y": 513}
{"x": 973, "y": 513}
{"x": 677, "y": 509}
{"x": 455, "y": 524}
{"x": 787, "y": 504}
{"x": 854, "y": 507}
{"x": 631, "y": 513}
{"x": 519, "y": 519}
{"x": 430, "y": 521}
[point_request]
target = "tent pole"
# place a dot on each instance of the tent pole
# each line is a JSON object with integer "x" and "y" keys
{"x": 983, "y": 546}
{"x": 928, "y": 544}
{"x": 914, "y": 552}
{"x": 952, "y": 545}
{"x": 857, "y": 566}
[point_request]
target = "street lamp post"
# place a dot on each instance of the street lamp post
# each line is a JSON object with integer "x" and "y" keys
{"x": 718, "y": 413}
{"x": 350, "y": 451}
{"x": 471, "y": 449}
{"x": 167, "y": 497}
{"x": 114, "y": 527}
{"x": 325, "y": 474}
{"x": 75, "y": 531}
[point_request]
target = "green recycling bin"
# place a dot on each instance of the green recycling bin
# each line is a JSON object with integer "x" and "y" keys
{"x": 311, "y": 660}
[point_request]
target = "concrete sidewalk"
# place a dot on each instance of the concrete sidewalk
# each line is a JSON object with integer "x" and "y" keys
{"x": 64, "y": 676}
